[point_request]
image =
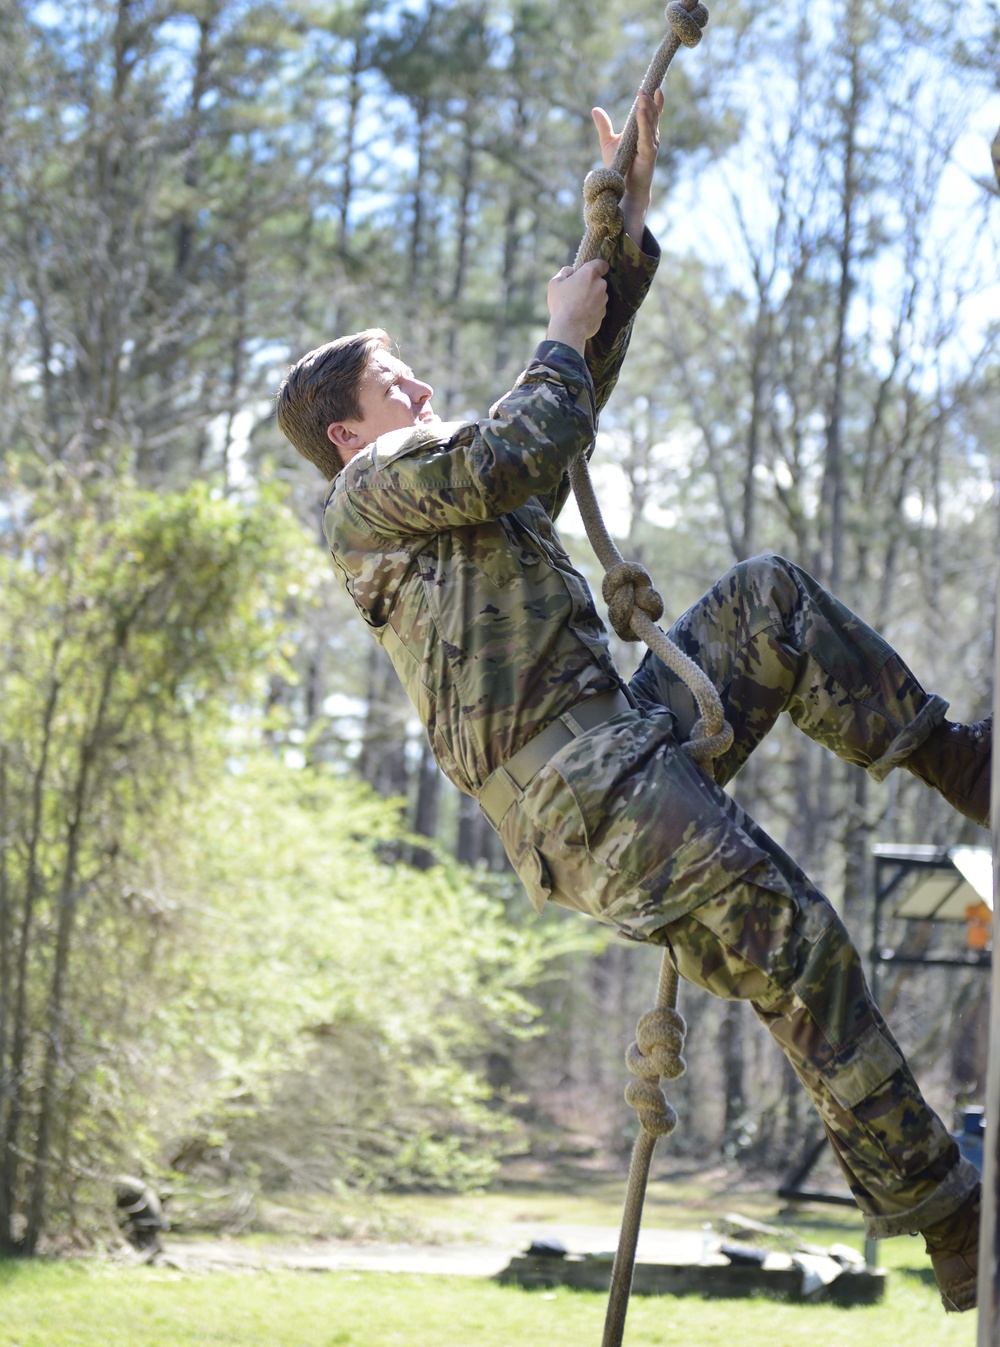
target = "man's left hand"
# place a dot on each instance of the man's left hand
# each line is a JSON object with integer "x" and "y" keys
{"x": 639, "y": 178}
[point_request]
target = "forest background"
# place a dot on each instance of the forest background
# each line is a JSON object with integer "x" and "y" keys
{"x": 249, "y": 937}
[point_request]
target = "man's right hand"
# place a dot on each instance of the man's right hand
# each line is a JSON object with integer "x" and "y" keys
{"x": 577, "y": 301}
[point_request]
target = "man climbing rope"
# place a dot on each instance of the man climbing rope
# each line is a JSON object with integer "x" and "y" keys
{"x": 443, "y": 536}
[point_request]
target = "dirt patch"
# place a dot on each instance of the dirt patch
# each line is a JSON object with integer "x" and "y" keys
{"x": 483, "y": 1258}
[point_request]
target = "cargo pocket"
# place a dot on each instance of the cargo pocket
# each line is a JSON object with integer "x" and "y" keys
{"x": 534, "y": 874}
{"x": 873, "y": 1060}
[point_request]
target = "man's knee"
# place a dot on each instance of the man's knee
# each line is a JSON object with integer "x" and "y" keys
{"x": 769, "y": 580}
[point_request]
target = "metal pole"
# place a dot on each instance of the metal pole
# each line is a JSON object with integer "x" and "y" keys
{"x": 989, "y": 1239}
{"x": 875, "y": 977}
{"x": 989, "y": 1246}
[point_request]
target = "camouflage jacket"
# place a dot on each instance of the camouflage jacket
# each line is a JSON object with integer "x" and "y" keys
{"x": 443, "y": 536}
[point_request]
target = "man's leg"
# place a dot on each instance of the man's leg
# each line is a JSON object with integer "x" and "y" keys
{"x": 782, "y": 947}
{"x": 773, "y": 640}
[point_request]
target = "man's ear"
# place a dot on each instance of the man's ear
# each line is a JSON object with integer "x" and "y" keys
{"x": 346, "y": 441}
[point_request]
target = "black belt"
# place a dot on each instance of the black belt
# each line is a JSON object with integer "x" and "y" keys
{"x": 509, "y": 782}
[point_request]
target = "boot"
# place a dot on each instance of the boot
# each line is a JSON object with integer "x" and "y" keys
{"x": 955, "y": 760}
{"x": 953, "y": 1245}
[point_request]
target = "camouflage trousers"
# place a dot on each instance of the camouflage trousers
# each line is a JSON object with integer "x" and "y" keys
{"x": 773, "y": 640}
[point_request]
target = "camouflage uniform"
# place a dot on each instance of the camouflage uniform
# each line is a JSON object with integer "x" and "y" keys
{"x": 443, "y": 535}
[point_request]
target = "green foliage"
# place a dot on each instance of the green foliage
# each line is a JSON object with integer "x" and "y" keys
{"x": 349, "y": 999}
{"x": 223, "y": 966}
{"x": 134, "y": 627}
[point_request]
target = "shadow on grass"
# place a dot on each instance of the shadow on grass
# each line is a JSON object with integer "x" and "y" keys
{"x": 925, "y": 1275}
{"x": 812, "y": 1221}
{"x": 12, "y": 1268}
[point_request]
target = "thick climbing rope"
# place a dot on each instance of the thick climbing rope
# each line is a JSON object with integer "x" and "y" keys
{"x": 634, "y": 608}
{"x": 655, "y": 1054}
{"x": 634, "y": 605}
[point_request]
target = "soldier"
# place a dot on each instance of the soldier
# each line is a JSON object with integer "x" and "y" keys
{"x": 443, "y": 536}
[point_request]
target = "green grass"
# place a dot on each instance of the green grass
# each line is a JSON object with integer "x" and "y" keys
{"x": 94, "y": 1303}
{"x": 77, "y": 1305}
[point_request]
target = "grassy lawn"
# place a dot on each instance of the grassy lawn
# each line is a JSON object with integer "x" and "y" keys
{"x": 90, "y": 1303}
{"x": 76, "y": 1305}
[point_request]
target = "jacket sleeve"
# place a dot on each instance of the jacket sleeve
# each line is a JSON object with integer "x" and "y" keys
{"x": 631, "y": 273}
{"x": 479, "y": 470}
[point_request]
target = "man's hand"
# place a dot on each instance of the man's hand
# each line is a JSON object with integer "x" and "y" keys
{"x": 639, "y": 178}
{"x": 577, "y": 301}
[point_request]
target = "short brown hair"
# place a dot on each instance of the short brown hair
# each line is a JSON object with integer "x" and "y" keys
{"x": 323, "y": 387}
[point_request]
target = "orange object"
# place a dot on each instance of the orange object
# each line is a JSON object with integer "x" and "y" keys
{"x": 980, "y": 928}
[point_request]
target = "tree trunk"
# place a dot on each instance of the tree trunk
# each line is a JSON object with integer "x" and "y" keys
{"x": 383, "y": 755}
{"x": 832, "y": 524}
{"x": 354, "y": 93}
{"x": 236, "y": 364}
{"x": 68, "y": 893}
{"x": 461, "y": 257}
{"x": 425, "y": 816}
{"x": 731, "y": 1049}
{"x": 417, "y": 242}
{"x": 4, "y": 976}
{"x": 467, "y": 841}
{"x": 757, "y": 414}
{"x": 185, "y": 228}
{"x": 19, "y": 1029}
{"x": 511, "y": 247}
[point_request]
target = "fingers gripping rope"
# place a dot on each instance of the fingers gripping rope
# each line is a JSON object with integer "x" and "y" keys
{"x": 603, "y": 189}
{"x": 685, "y": 19}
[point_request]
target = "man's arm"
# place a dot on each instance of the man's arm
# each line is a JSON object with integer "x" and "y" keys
{"x": 634, "y": 255}
{"x": 629, "y": 278}
{"x": 424, "y": 483}
{"x": 639, "y": 178}
{"x": 549, "y": 417}
{"x": 633, "y": 258}
{"x": 568, "y": 291}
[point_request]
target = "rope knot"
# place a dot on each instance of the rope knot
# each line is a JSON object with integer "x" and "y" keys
{"x": 602, "y": 191}
{"x": 659, "y": 1038}
{"x": 655, "y": 1115}
{"x": 655, "y": 1053}
{"x": 703, "y": 747}
{"x": 687, "y": 18}
{"x": 628, "y": 586}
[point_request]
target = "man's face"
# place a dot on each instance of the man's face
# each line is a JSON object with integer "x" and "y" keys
{"x": 391, "y": 398}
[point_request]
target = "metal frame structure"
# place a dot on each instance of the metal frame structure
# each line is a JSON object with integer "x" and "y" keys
{"x": 926, "y": 883}
{"x": 947, "y": 881}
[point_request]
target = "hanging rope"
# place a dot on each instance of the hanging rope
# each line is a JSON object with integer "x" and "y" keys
{"x": 656, "y": 1053}
{"x": 634, "y": 608}
{"x": 634, "y": 605}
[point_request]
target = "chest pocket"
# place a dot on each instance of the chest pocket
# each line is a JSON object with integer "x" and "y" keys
{"x": 495, "y": 550}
